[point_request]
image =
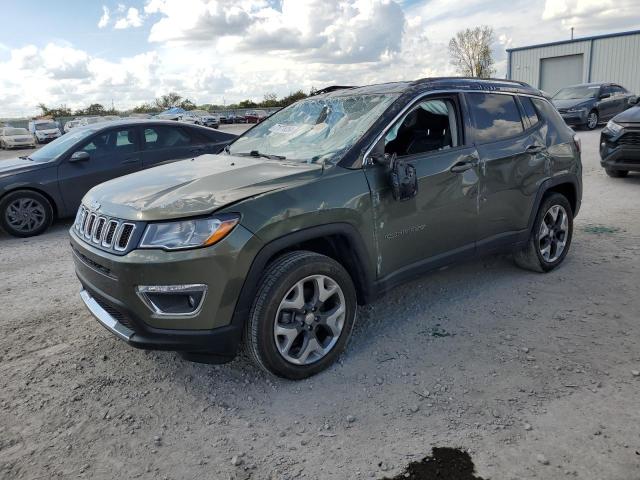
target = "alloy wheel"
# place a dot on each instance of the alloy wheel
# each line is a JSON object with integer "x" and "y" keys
{"x": 592, "y": 120}
{"x": 553, "y": 233}
{"x": 25, "y": 214}
{"x": 309, "y": 320}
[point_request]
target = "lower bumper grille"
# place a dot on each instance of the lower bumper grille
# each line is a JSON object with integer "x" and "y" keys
{"x": 114, "y": 312}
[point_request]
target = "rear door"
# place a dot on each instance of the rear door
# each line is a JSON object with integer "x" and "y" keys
{"x": 112, "y": 153}
{"x": 513, "y": 160}
{"x": 167, "y": 143}
{"x": 607, "y": 107}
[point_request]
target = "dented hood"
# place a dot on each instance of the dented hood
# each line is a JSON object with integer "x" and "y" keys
{"x": 194, "y": 187}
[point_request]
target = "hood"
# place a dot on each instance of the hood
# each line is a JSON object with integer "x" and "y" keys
{"x": 47, "y": 132}
{"x": 13, "y": 166}
{"x": 195, "y": 187}
{"x": 631, "y": 115}
{"x": 572, "y": 103}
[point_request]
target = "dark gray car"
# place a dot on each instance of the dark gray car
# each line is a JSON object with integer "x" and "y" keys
{"x": 50, "y": 182}
{"x": 589, "y": 104}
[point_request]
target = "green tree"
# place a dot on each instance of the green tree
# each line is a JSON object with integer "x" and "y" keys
{"x": 470, "y": 52}
{"x": 187, "y": 104}
{"x": 61, "y": 111}
{"x": 169, "y": 100}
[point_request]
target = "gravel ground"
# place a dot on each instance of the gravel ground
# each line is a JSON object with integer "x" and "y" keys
{"x": 536, "y": 376}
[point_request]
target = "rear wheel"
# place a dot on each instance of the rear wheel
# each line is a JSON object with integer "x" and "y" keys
{"x": 617, "y": 173}
{"x": 302, "y": 316}
{"x": 592, "y": 120}
{"x": 550, "y": 237}
{"x": 25, "y": 213}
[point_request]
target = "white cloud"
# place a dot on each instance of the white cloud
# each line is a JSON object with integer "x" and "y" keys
{"x": 131, "y": 20}
{"x": 215, "y": 50}
{"x": 104, "y": 19}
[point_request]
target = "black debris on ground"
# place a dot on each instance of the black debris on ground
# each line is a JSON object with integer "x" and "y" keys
{"x": 443, "y": 464}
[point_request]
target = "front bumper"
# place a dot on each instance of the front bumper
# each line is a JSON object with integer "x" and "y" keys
{"x": 575, "y": 118}
{"x": 109, "y": 290}
{"x": 619, "y": 152}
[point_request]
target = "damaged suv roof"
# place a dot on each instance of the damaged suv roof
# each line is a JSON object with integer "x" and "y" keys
{"x": 499, "y": 85}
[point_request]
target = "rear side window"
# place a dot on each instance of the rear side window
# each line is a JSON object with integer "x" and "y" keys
{"x": 529, "y": 110}
{"x": 551, "y": 115}
{"x": 163, "y": 136}
{"x": 495, "y": 116}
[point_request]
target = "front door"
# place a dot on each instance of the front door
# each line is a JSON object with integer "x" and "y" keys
{"x": 112, "y": 153}
{"x": 441, "y": 220}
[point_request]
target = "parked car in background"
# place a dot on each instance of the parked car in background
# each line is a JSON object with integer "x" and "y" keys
{"x": 44, "y": 130}
{"x": 589, "y": 104}
{"x": 328, "y": 203}
{"x": 200, "y": 117}
{"x": 51, "y": 181}
{"x": 255, "y": 116}
{"x": 84, "y": 121}
{"x": 11, "y": 137}
{"x": 620, "y": 142}
{"x": 140, "y": 115}
{"x": 173, "y": 113}
{"x": 110, "y": 118}
{"x": 71, "y": 124}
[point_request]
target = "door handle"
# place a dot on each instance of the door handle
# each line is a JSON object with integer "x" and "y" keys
{"x": 534, "y": 149}
{"x": 465, "y": 164}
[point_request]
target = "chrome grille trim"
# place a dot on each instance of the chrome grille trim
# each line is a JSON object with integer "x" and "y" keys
{"x": 121, "y": 231}
{"x": 91, "y": 220}
{"x": 98, "y": 230}
{"x": 107, "y": 232}
{"x": 112, "y": 227}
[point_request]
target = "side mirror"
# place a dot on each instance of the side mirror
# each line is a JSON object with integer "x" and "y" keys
{"x": 604, "y": 95}
{"x": 79, "y": 156}
{"x": 633, "y": 100}
{"x": 403, "y": 179}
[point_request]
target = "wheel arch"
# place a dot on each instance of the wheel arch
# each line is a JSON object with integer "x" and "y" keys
{"x": 54, "y": 205}
{"x": 567, "y": 185}
{"x": 340, "y": 241}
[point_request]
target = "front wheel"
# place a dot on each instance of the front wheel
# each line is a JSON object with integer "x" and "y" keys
{"x": 302, "y": 315}
{"x": 25, "y": 213}
{"x": 592, "y": 120}
{"x": 617, "y": 173}
{"x": 550, "y": 237}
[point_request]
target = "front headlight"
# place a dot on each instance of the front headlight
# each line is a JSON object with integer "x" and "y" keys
{"x": 576, "y": 110}
{"x": 613, "y": 127}
{"x": 179, "y": 235}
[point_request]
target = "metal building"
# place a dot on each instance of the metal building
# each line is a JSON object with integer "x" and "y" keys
{"x": 603, "y": 58}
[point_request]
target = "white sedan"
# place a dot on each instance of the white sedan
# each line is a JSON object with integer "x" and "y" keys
{"x": 11, "y": 137}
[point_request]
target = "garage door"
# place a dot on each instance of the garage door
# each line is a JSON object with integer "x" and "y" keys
{"x": 558, "y": 72}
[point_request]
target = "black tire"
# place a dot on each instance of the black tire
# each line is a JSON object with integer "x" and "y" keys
{"x": 616, "y": 173}
{"x": 277, "y": 280}
{"x": 530, "y": 257}
{"x": 593, "y": 125}
{"x": 47, "y": 213}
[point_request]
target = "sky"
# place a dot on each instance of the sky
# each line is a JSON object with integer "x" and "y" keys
{"x": 78, "y": 52}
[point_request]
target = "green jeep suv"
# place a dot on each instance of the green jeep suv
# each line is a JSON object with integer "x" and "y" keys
{"x": 322, "y": 206}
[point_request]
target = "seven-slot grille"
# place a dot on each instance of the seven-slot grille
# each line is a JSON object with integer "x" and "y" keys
{"x": 109, "y": 233}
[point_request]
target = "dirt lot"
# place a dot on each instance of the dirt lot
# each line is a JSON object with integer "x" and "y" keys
{"x": 536, "y": 376}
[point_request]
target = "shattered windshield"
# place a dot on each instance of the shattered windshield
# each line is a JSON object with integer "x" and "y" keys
{"x": 315, "y": 129}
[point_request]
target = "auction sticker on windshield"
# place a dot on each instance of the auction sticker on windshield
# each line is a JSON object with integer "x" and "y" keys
{"x": 284, "y": 129}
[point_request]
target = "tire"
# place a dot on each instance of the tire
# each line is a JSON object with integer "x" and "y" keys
{"x": 592, "y": 120}
{"x": 34, "y": 205}
{"x": 616, "y": 173}
{"x": 289, "y": 282}
{"x": 534, "y": 256}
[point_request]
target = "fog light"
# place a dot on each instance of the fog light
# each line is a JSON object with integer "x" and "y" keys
{"x": 173, "y": 300}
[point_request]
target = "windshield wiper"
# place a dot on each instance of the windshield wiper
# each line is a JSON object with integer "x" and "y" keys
{"x": 256, "y": 153}
{"x": 25, "y": 157}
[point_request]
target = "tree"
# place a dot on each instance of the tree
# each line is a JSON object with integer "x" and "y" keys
{"x": 293, "y": 97}
{"x": 470, "y": 52}
{"x": 187, "y": 104}
{"x": 169, "y": 100}
{"x": 61, "y": 111}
